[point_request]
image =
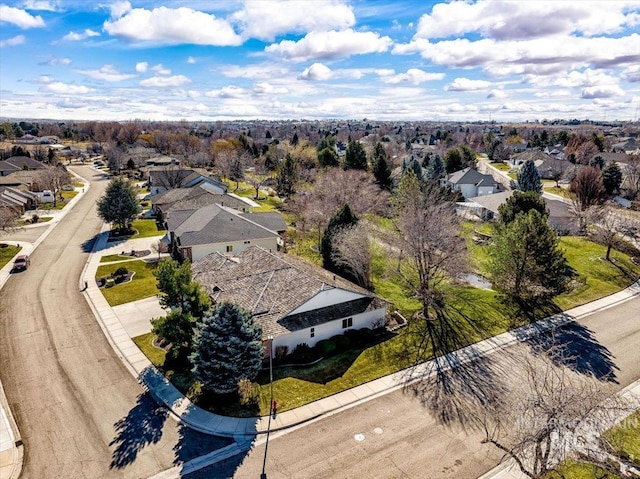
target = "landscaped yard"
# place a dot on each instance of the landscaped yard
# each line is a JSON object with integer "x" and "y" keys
{"x": 580, "y": 470}
{"x": 245, "y": 190}
{"x": 114, "y": 257}
{"x": 501, "y": 166}
{"x": 7, "y": 253}
{"x": 66, "y": 195}
{"x": 625, "y": 438}
{"x": 142, "y": 285}
{"x": 564, "y": 192}
{"x": 145, "y": 229}
{"x": 476, "y": 314}
{"x": 41, "y": 219}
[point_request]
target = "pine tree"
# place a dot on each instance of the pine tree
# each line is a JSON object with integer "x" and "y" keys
{"x": 381, "y": 168}
{"x": 227, "y": 349}
{"x": 287, "y": 177}
{"x": 453, "y": 160}
{"x": 119, "y": 205}
{"x": 327, "y": 157}
{"x": 295, "y": 140}
{"x": 521, "y": 202}
{"x": 355, "y": 158}
{"x": 526, "y": 265}
{"x": 612, "y": 177}
{"x": 435, "y": 167}
{"x": 528, "y": 178}
{"x": 344, "y": 217}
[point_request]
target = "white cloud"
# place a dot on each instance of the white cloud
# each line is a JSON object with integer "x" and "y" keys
{"x": 160, "y": 70}
{"x": 412, "y": 75}
{"x": 497, "y": 94}
{"x": 19, "y": 17}
{"x": 191, "y": 60}
{"x": 541, "y": 55}
{"x": 142, "y": 67}
{"x": 165, "y": 81}
{"x": 505, "y": 20}
{"x": 230, "y": 91}
{"x": 13, "y": 41}
{"x": 316, "y": 72}
{"x": 602, "y": 91}
{"x": 632, "y": 73}
{"x": 330, "y": 45}
{"x": 466, "y": 84}
{"x": 266, "y": 19}
{"x": 585, "y": 78}
{"x": 44, "y": 79}
{"x": 170, "y": 26}
{"x": 42, "y": 5}
{"x": 65, "y": 88}
{"x": 107, "y": 73}
{"x": 75, "y": 37}
{"x": 119, "y": 8}
{"x": 261, "y": 71}
{"x": 55, "y": 61}
{"x": 264, "y": 88}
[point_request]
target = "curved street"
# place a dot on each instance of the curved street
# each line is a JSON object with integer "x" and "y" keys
{"x": 80, "y": 412}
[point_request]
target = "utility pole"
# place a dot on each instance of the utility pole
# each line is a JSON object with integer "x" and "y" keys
{"x": 263, "y": 475}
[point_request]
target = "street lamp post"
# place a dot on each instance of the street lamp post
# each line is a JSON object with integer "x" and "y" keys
{"x": 271, "y": 411}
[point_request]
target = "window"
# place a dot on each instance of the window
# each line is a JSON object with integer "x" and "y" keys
{"x": 347, "y": 323}
{"x": 313, "y": 332}
{"x": 230, "y": 248}
{"x": 247, "y": 242}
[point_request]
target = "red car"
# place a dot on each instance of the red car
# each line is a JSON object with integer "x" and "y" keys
{"x": 21, "y": 263}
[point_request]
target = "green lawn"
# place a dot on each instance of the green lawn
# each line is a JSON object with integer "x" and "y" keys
{"x": 67, "y": 195}
{"x": 143, "y": 284}
{"x": 625, "y": 438}
{"x": 145, "y": 343}
{"x": 245, "y": 190}
{"x": 580, "y": 470}
{"x": 501, "y": 166}
{"x": 6, "y": 254}
{"x": 557, "y": 191}
{"x": 146, "y": 228}
{"x": 599, "y": 278}
{"x": 114, "y": 257}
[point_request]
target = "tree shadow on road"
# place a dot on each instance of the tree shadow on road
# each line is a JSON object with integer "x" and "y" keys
{"x": 87, "y": 246}
{"x": 193, "y": 444}
{"x": 451, "y": 376}
{"x": 141, "y": 427}
{"x": 576, "y": 347}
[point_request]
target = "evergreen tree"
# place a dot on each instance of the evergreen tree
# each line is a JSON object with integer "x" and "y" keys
{"x": 344, "y": 217}
{"x": 612, "y": 177}
{"x": 356, "y": 158}
{"x": 295, "y": 140}
{"x": 381, "y": 168}
{"x": 287, "y": 178}
{"x": 327, "y": 157}
{"x": 526, "y": 265}
{"x": 528, "y": 178}
{"x": 468, "y": 157}
{"x": 521, "y": 202}
{"x": 597, "y": 162}
{"x": 227, "y": 348}
{"x": 186, "y": 301}
{"x": 453, "y": 160}
{"x": 119, "y": 205}
{"x": 435, "y": 167}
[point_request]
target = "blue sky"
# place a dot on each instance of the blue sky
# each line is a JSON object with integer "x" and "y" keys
{"x": 308, "y": 59}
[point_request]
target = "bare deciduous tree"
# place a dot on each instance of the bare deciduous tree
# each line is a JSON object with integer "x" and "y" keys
{"x": 428, "y": 238}
{"x": 352, "y": 250}
{"x": 8, "y": 218}
{"x": 159, "y": 247}
{"x": 550, "y": 414}
{"x": 588, "y": 190}
{"x": 54, "y": 178}
{"x": 631, "y": 176}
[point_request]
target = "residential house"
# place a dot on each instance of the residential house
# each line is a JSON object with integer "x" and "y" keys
{"x": 24, "y": 163}
{"x": 215, "y": 228}
{"x": 202, "y": 194}
{"x": 167, "y": 178}
{"x": 293, "y": 301}
{"x": 7, "y": 168}
{"x": 17, "y": 199}
{"x": 472, "y": 183}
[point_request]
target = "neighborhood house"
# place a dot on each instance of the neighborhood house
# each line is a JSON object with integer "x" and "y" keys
{"x": 294, "y": 302}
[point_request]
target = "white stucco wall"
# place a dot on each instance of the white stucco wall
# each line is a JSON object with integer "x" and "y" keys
{"x": 327, "y": 298}
{"x": 200, "y": 251}
{"x": 468, "y": 191}
{"x": 325, "y": 331}
{"x": 486, "y": 190}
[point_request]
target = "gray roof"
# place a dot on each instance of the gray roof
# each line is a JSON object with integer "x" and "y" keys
{"x": 271, "y": 285}
{"x": 213, "y": 224}
{"x": 5, "y": 166}
{"x": 492, "y": 202}
{"x": 271, "y": 220}
{"x": 200, "y": 195}
{"x": 24, "y": 162}
{"x": 469, "y": 176}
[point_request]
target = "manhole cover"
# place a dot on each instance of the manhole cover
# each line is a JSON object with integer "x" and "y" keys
{"x": 378, "y": 430}
{"x": 359, "y": 437}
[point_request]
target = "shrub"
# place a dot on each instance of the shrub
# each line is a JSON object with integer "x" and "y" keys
{"x": 247, "y": 392}
{"x": 35, "y": 218}
{"x": 353, "y": 335}
{"x": 121, "y": 271}
{"x": 365, "y": 334}
{"x": 326, "y": 347}
{"x": 281, "y": 352}
{"x": 302, "y": 353}
{"x": 102, "y": 281}
{"x": 341, "y": 341}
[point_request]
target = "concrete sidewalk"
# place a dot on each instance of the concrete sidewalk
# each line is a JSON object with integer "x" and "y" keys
{"x": 207, "y": 422}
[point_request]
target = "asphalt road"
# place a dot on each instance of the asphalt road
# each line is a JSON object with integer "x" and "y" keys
{"x": 396, "y": 436}
{"x": 80, "y": 412}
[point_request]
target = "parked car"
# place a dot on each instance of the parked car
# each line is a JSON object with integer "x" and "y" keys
{"x": 21, "y": 263}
